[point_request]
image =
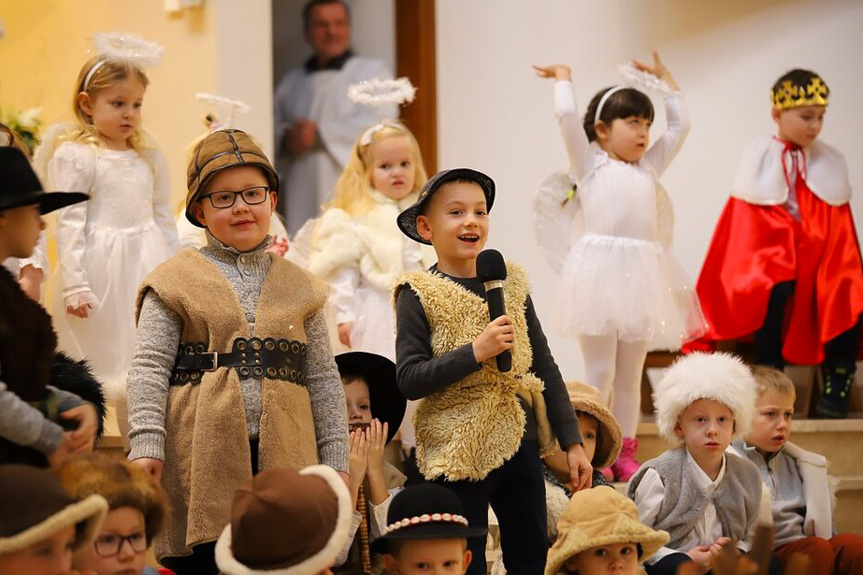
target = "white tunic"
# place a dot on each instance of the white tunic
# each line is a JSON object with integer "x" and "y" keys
{"x": 308, "y": 180}
{"x": 619, "y": 278}
{"x": 107, "y": 246}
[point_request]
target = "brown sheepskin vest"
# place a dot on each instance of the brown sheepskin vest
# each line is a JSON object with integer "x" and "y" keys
{"x": 475, "y": 425}
{"x": 27, "y": 347}
{"x": 206, "y": 439}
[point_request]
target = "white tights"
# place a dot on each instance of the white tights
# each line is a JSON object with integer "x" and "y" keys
{"x": 614, "y": 365}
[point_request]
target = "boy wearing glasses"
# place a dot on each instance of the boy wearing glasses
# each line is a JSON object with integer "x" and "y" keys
{"x": 233, "y": 371}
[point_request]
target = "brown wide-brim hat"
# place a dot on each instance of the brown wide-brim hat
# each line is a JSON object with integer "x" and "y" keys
{"x": 587, "y": 399}
{"x": 286, "y": 522}
{"x": 34, "y": 507}
{"x": 597, "y": 517}
{"x": 407, "y": 220}
{"x": 219, "y": 151}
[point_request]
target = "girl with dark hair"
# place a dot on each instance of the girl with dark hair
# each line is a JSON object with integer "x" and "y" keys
{"x": 621, "y": 293}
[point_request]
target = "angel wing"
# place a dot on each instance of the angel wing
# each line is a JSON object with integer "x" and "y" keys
{"x": 556, "y": 217}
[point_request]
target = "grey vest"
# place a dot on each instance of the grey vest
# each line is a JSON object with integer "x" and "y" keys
{"x": 736, "y": 498}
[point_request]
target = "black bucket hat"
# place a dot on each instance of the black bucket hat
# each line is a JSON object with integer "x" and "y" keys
{"x": 388, "y": 403}
{"x": 407, "y": 220}
{"x": 425, "y": 511}
{"x": 19, "y": 185}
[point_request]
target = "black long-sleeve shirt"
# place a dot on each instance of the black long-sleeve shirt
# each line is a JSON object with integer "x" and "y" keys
{"x": 420, "y": 373}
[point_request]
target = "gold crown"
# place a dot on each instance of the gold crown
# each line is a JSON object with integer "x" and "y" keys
{"x": 791, "y": 95}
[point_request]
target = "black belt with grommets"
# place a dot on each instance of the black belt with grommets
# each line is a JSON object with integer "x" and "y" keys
{"x": 259, "y": 358}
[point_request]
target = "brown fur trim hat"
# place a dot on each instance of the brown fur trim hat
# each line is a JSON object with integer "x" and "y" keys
{"x": 34, "y": 506}
{"x": 587, "y": 399}
{"x": 121, "y": 483}
{"x": 286, "y": 522}
{"x": 218, "y": 151}
{"x": 597, "y": 517}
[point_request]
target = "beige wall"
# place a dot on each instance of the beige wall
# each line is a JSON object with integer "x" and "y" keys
{"x": 495, "y": 115}
{"x": 47, "y": 41}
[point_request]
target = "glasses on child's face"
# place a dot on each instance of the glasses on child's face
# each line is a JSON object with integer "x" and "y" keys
{"x": 252, "y": 196}
{"x": 109, "y": 544}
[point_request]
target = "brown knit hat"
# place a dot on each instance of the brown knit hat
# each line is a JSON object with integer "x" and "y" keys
{"x": 597, "y": 517}
{"x": 587, "y": 399}
{"x": 119, "y": 481}
{"x": 220, "y": 150}
{"x": 34, "y": 506}
{"x": 286, "y": 522}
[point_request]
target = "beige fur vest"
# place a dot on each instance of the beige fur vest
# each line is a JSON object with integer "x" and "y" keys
{"x": 206, "y": 440}
{"x": 475, "y": 425}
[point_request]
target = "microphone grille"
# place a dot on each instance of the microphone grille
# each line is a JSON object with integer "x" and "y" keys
{"x": 490, "y": 266}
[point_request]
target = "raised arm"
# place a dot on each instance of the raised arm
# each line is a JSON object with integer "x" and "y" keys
{"x": 566, "y": 110}
{"x": 663, "y": 151}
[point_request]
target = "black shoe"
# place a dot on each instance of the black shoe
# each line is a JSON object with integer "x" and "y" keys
{"x": 837, "y": 388}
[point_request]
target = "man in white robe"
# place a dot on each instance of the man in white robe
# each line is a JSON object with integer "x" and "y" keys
{"x": 315, "y": 123}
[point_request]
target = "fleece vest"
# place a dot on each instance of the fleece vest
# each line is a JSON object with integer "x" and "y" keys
{"x": 736, "y": 498}
{"x": 207, "y": 452}
{"x": 475, "y": 425}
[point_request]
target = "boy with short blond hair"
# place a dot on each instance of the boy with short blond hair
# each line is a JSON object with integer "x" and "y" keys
{"x": 480, "y": 431}
{"x": 801, "y": 499}
{"x": 704, "y": 497}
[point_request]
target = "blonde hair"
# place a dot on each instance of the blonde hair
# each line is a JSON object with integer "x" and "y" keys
{"x": 109, "y": 73}
{"x": 353, "y": 189}
{"x": 767, "y": 378}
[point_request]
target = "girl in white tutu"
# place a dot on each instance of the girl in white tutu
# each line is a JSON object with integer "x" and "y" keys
{"x": 108, "y": 245}
{"x": 621, "y": 293}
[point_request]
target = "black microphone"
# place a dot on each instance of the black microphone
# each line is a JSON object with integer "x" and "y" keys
{"x": 491, "y": 271}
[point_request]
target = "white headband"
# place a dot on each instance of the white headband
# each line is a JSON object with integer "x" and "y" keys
{"x": 604, "y": 99}
{"x": 366, "y": 138}
{"x": 92, "y": 71}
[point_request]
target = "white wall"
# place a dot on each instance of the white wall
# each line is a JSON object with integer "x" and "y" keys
{"x": 496, "y": 116}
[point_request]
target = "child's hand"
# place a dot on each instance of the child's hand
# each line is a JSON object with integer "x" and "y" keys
{"x": 702, "y": 556}
{"x": 556, "y": 71}
{"x": 357, "y": 462}
{"x": 63, "y": 452}
{"x": 580, "y": 469}
{"x": 153, "y": 467}
{"x": 279, "y": 246}
{"x": 658, "y": 69}
{"x": 497, "y": 336}
{"x": 84, "y": 437}
{"x": 345, "y": 333}
{"x": 79, "y": 304}
{"x": 377, "y": 434}
{"x": 30, "y": 281}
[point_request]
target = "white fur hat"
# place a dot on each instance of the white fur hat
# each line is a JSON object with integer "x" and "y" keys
{"x": 718, "y": 376}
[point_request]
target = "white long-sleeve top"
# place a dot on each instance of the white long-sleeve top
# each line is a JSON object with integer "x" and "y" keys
{"x": 618, "y": 198}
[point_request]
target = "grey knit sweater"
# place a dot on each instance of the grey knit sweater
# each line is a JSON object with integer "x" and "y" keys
{"x": 158, "y": 337}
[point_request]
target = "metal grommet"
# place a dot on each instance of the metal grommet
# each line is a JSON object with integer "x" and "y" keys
{"x": 301, "y": 377}
{"x": 303, "y": 348}
{"x": 184, "y": 377}
{"x": 283, "y": 372}
{"x": 257, "y": 371}
{"x": 271, "y": 372}
{"x": 256, "y": 344}
{"x": 190, "y": 349}
{"x": 295, "y": 347}
{"x": 270, "y": 345}
{"x": 283, "y": 345}
{"x": 293, "y": 375}
{"x": 196, "y": 376}
{"x": 241, "y": 344}
{"x": 244, "y": 372}
{"x": 200, "y": 347}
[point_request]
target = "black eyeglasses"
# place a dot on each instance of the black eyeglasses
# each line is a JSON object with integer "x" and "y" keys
{"x": 109, "y": 545}
{"x": 252, "y": 196}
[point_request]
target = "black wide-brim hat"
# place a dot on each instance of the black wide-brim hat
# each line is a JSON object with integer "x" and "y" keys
{"x": 19, "y": 185}
{"x": 388, "y": 403}
{"x": 425, "y": 511}
{"x": 407, "y": 220}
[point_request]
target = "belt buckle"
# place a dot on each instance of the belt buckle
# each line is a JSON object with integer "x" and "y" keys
{"x": 214, "y": 357}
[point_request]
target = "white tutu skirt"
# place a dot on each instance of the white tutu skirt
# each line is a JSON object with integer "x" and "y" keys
{"x": 373, "y": 328}
{"x": 117, "y": 261}
{"x": 629, "y": 287}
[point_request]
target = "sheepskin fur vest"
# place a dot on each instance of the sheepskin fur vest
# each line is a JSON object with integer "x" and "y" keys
{"x": 476, "y": 424}
{"x": 27, "y": 345}
{"x": 206, "y": 440}
{"x": 736, "y": 498}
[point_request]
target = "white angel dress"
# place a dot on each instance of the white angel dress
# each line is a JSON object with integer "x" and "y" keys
{"x": 610, "y": 244}
{"x": 106, "y": 247}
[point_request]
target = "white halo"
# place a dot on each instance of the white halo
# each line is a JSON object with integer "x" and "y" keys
{"x": 377, "y": 92}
